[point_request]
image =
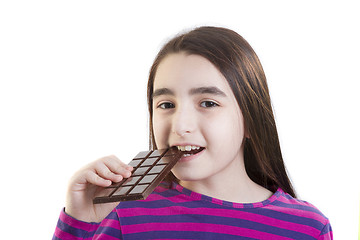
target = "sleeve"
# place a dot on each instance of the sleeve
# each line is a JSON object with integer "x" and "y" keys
{"x": 71, "y": 228}
{"x": 326, "y": 233}
{"x": 109, "y": 228}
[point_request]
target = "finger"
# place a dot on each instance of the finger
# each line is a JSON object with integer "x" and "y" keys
{"x": 93, "y": 178}
{"x": 104, "y": 172}
{"x": 118, "y": 167}
{"x": 116, "y": 160}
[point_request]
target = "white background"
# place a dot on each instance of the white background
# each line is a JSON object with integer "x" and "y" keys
{"x": 73, "y": 89}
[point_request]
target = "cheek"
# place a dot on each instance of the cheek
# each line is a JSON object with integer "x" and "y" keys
{"x": 237, "y": 135}
{"x": 161, "y": 131}
{"x": 238, "y": 127}
{"x": 228, "y": 132}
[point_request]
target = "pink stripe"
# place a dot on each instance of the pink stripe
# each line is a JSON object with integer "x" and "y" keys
{"x": 160, "y": 189}
{"x": 64, "y": 235}
{"x": 238, "y": 205}
{"x": 295, "y": 202}
{"x": 104, "y": 236}
{"x": 171, "y": 239}
{"x": 217, "y": 201}
{"x": 76, "y": 223}
{"x": 179, "y": 187}
{"x": 327, "y": 236}
{"x": 195, "y": 196}
{"x": 265, "y": 220}
{"x": 200, "y": 227}
{"x": 111, "y": 223}
{"x": 298, "y": 212}
{"x": 258, "y": 204}
{"x": 175, "y": 199}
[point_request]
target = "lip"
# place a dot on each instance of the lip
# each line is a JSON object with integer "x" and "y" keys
{"x": 185, "y": 144}
{"x": 191, "y": 157}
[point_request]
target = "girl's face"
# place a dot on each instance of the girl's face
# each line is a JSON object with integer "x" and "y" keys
{"x": 195, "y": 109}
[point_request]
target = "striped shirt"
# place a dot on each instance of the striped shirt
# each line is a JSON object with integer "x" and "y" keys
{"x": 174, "y": 212}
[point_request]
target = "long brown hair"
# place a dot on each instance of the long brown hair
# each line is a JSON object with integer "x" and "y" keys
{"x": 237, "y": 61}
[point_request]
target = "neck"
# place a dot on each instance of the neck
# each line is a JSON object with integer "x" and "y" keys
{"x": 232, "y": 184}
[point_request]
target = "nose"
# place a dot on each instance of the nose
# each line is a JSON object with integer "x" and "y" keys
{"x": 183, "y": 122}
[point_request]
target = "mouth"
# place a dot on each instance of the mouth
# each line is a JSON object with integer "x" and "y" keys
{"x": 190, "y": 150}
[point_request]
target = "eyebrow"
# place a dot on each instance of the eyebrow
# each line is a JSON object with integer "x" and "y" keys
{"x": 194, "y": 91}
{"x": 162, "y": 91}
{"x": 207, "y": 90}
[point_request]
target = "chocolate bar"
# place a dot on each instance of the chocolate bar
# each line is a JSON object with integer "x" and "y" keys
{"x": 150, "y": 168}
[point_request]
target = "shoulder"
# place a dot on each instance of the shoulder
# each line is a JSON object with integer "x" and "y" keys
{"x": 297, "y": 206}
{"x": 300, "y": 211}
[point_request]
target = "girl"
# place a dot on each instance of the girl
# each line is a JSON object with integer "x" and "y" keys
{"x": 206, "y": 89}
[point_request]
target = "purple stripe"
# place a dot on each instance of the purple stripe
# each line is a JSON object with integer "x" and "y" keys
{"x": 67, "y": 234}
{"x": 59, "y": 234}
{"x": 64, "y": 217}
{"x": 108, "y": 233}
{"x": 191, "y": 227}
{"x": 70, "y": 228}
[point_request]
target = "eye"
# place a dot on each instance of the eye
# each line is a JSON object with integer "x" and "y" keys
{"x": 208, "y": 104}
{"x": 166, "y": 105}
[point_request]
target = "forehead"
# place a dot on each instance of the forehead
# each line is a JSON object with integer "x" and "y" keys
{"x": 181, "y": 70}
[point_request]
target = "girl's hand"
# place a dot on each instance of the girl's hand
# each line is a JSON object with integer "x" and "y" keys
{"x": 88, "y": 183}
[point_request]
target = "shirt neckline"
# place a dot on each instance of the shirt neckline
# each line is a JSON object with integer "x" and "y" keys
{"x": 201, "y": 197}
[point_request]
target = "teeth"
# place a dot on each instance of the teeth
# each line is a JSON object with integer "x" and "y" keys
{"x": 187, "y": 148}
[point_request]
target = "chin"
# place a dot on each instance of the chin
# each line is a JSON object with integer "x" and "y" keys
{"x": 188, "y": 176}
